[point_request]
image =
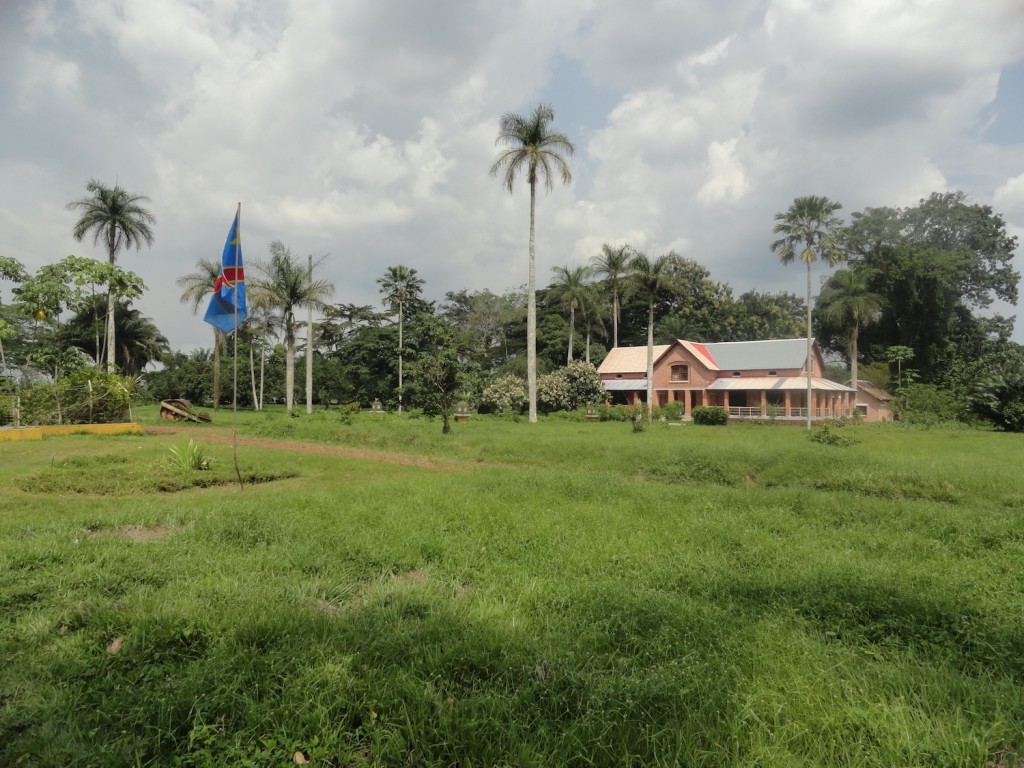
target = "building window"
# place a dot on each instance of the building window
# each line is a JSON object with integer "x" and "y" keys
{"x": 736, "y": 373}
{"x": 618, "y": 375}
{"x": 773, "y": 373}
{"x": 680, "y": 373}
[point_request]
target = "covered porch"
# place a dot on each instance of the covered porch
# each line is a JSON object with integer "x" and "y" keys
{"x": 784, "y": 397}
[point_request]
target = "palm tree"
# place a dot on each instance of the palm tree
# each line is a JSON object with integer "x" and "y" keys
{"x": 198, "y": 286}
{"x": 139, "y": 341}
{"x": 531, "y": 147}
{"x": 649, "y": 277}
{"x": 613, "y": 265}
{"x": 399, "y": 284}
{"x": 810, "y": 223}
{"x": 848, "y": 301}
{"x": 119, "y": 219}
{"x": 570, "y": 288}
{"x": 285, "y": 285}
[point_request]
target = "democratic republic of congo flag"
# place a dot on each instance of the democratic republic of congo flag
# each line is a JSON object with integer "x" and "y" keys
{"x": 227, "y": 308}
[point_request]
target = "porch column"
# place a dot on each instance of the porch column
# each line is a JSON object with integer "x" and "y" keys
{"x": 764, "y": 403}
{"x": 686, "y": 402}
{"x": 725, "y": 399}
{"x": 787, "y": 404}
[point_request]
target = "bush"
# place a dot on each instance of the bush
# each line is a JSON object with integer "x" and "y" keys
{"x": 583, "y": 385}
{"x": 826, "y": 436}
{"x": 87, "y": 396}
{"x": 552, "y": 392}
{"x": 673, "y": 411}
{"x": 506, "y": 394}
{"x": 925, "y": 404}
{"x": 712, "y": 416}
{"x": 1013, "y": 417}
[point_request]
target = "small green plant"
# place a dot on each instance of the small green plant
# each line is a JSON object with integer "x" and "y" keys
{"x": 826, "y": 436}
{"x": 711, "y": 416}
{"x": 190, "y": 456}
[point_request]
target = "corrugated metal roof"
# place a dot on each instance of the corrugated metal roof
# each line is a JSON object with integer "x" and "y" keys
{"x": 629, "y": 359}
{"x": 754, "y": 355}
{"x": 779, "y": 383}
{"x": 624, "y": 385}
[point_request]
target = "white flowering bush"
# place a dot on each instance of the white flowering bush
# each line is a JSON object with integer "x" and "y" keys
{"x": 506, "y": 394}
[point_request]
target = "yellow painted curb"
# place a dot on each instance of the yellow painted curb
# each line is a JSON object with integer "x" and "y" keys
{"x": 59, "y": 430}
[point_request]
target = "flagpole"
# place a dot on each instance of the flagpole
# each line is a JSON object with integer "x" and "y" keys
{"x": 234, "y": 363}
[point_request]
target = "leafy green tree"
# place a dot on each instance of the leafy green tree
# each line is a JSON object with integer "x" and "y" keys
{"x": 847, "y": 302}
{"x": 758, "y": 316}
{"x": 938, "y": 266}
{"x": 198, "y": 287}
{"x": 437, "y": 373}
{"x": 10, "y": 269}
{"x": 898, "y": 355}
{"x": 612, "y": 267}
{"x": 285, "y": 285}
{"x": 400, "y": 285}
{"x": 570, "y": 289}
{"x": 648, "y": 278}
{"x": 533, "y": 148}
{"x": 120, "y": 220}
{"x": 808, "y": 231}
{"x": 483, "y": 321}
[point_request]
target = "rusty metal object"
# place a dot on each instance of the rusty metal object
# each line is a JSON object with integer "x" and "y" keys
{"x": 179, "y": 410}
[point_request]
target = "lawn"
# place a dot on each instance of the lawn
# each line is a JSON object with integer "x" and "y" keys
{"x": 558, "y": 594}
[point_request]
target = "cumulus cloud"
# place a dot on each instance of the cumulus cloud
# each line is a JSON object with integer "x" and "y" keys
{"x": 365, "y": 129}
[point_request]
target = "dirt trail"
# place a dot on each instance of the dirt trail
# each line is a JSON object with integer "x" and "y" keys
{"x": 220, "y": 435}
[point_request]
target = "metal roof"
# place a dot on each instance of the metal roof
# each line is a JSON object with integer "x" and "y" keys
{"x": 624, "y": 385}
{"x": 779, "y": 383}
{"x": 755, "y": 355}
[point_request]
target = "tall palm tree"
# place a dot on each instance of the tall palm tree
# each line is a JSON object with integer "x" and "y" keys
{"x": 810, "y": 225}
{"x": 648, "y": 277}
{"x": 119, "y": 219}
{"x": 198, "y": 286}
{"x": 613, "y": 265}
{"x": 846, "y": 300}
{"x": 399, "y": 284}
{"x": 571, "y": 289}
{"x": 533, "y": 148}
{"x": 285, "y": 285}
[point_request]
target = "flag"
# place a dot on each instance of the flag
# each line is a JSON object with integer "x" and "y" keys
{"x": 227, "y": 308}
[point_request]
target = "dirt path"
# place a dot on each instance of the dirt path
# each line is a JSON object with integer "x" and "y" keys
{"x": 218, "y": 435}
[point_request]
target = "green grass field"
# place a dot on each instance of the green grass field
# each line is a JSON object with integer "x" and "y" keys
{"x": 559, "y": 594}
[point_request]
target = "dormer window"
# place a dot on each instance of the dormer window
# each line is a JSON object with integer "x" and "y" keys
{"x": 618, "y": 375}
{"x": 737, "y": 373}
{"x": 773, "y": 373}
{"x": 680, "y": 373}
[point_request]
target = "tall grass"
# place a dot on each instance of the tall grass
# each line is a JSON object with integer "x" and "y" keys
{"x": 570, "y": 594}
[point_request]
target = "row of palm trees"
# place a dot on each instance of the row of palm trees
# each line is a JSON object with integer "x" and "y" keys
{"x": 282, "y": 285}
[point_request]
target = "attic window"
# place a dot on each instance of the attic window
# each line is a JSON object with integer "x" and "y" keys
{"x": 736, "y": 373}
{"x": 680, "y": 373}
{"x": 618, "y": 375}
{"x": 773, "y": 373}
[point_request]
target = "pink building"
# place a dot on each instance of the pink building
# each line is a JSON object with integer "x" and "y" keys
{"x": 751, "y": 379}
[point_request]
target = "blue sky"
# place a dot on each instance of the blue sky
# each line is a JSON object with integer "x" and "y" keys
{"x": 365, "y": 129}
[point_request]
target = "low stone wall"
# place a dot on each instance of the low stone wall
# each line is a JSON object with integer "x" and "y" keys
{"x": 58, "y": 430}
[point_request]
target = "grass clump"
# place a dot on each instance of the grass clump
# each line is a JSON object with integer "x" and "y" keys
{"x": 189, "y": 456}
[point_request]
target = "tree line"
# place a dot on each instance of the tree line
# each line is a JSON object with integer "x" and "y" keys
{"x": 912, "y": 297}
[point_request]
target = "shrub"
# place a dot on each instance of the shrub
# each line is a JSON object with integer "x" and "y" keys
{"x": 552, "y": 392}
{"x": 1013, "y": 417}
{"x": 506, "y": 394}
{"x": 673, "y": 411}
{"x": 712, "y": 416}
{"x": 583, "y": 385}
{"x": 826, "y": 436}
{"x": 612, "y": 413}
{"x": 925, "y": 404}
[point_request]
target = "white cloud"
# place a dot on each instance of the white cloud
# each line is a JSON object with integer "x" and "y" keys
{"x": 366, "y": 129}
